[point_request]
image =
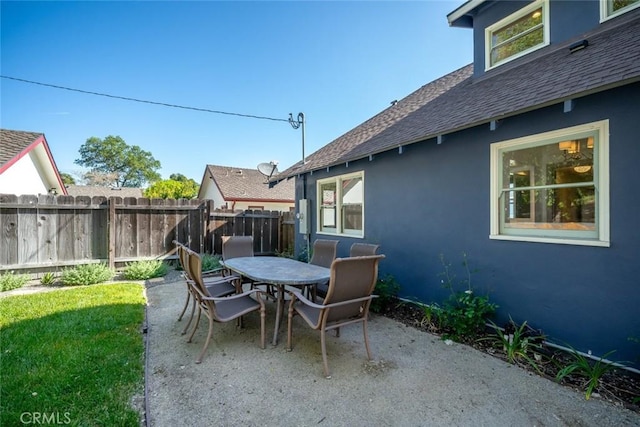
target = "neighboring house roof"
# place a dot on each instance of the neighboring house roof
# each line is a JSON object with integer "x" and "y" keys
{"x": 94, "y": 190}
{"x": 249, "y": 184}
{"x": 458, "y": 101}
{"x": 15, "y": 144}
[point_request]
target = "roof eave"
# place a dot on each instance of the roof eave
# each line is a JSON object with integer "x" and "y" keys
{"x": 469, "y": 125}
{"x": 461, "y": 17}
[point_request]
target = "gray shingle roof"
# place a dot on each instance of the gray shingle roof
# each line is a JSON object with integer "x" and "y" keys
{"x": 13, "y": 142}
{"x": 249, "y": 184}
{"x": 93, "y": 191}
{"x": 458, "y": 101}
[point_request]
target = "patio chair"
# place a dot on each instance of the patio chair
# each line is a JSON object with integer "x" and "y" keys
{"x": 241, "y": 246}
{"x": 221, "y": 309}
{"x": 324, "y": 252}
{"x": 363, "y": 249}
{"x": 348, "y": 299}
{"x": 216, "y": 282}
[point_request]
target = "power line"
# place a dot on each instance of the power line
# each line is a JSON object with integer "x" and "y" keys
{"x": 164, "y": 104}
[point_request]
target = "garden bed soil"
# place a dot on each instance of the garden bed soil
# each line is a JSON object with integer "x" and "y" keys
{"x": 618, "y": 386}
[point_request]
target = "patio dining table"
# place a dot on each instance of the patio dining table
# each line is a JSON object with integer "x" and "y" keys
{"x": 280, "y": 272}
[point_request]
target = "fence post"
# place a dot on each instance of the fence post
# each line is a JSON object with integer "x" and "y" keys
{"x": 111, "y": 233}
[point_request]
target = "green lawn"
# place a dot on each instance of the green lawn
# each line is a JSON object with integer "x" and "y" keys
{"x": 72, "y": 356}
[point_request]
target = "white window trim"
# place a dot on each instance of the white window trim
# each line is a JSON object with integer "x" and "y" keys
{"x": 319, "y": 183}
{"x": 513, "y": 17}
{"x": 603, "y": 239}
{"x": 603, "y": 10}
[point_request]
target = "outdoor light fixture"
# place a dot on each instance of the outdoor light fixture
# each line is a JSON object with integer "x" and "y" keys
{"x": 296, "y": 124}
{"x": 578, "y": 45}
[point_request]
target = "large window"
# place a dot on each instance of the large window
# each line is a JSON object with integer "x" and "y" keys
{"x": 552, "y": 187}
{"x": 341, "y": 205}
{"x": 611, "y": 8}
{"x": 517, "y": 34}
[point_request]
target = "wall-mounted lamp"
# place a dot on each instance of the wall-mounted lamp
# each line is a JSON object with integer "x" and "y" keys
{"x": 578, "y": 45}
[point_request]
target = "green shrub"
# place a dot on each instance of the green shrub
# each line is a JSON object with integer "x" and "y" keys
{"x": 143, "y": 270}
{"x": 210, "y": 262}
{"x": 86, "y": 274}
{"x": 48, "y": 278}
{"x": 464, "y": 314}
{"x": 9, "y": 281}
{"x": 386, "y": 289}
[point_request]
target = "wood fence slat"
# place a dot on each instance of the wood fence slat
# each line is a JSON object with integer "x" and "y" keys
{"x": 99, "y": 228}
{"x": 47, "y": 230}
{"x": 9, "y": 231}
{"x": 81, "y": 227}
{"x": 157, "y": 227}
{"x": 28, "y": 230}
{"x": 170, "y": 231}
{"x": 143, "y": 219}
{"x": 64, "y": 229}
{"x": 126, "y": 228}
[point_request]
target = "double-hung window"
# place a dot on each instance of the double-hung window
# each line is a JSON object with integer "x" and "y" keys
{"x": 552, "y": 187}
{"x": 517, "y": 34}
{"x": 611, "y": 8}
{"x": 341, "y": 205}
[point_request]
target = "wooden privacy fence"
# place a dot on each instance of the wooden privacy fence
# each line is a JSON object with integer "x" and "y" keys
{"x": 45, "y": 231}
{"x": 272, "y": 231}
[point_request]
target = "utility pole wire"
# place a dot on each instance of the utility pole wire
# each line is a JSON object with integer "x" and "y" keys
{"x": 164, "y": 104}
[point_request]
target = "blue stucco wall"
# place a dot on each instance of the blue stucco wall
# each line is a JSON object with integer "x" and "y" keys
{"x": 434, "y": 199}
{"x": 567, "y": 20}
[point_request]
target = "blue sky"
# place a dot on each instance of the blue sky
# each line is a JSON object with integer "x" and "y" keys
{"x": 338, "y": 62}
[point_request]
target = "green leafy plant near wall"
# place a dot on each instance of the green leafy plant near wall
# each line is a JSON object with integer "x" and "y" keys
{"x": 591, "y": 371}
{"x": 464, "y": 314}
{"x": 143, "y": 270}
{"x": 520, "y": 343}
{"x": 386, "y": 289}
{"x": 48, "y": 278}
{"x": 10, "y": 280}
{"x": 86, "y": 274}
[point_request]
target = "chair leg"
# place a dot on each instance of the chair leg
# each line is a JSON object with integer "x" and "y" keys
{"x": 327, "y": 374}
{"x": 289, "y": 328}
{"x": 186, "y": 303}
{"x": 206, "y": 343}
{"x": 263, "y": 315}
{"x": 195, "y": 327}
{"x": 366, "y": 338}
{"x": 193, "y": 309}
{"x": 338, "y": 332}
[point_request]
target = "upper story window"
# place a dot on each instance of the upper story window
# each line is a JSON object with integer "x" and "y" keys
{"x": 341, "y": 205}
{"x": 611, "y": 8}
{"x": 517, "y": 34}
{"x": 552, "y": 187}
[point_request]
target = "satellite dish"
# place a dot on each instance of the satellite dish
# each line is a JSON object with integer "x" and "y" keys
{"x": 268, "y": 169}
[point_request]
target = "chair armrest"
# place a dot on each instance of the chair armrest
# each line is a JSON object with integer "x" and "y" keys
{"x": 301, "y": 297}
{"x": 218, "y": 270}
{"x": 233, "y": 296}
